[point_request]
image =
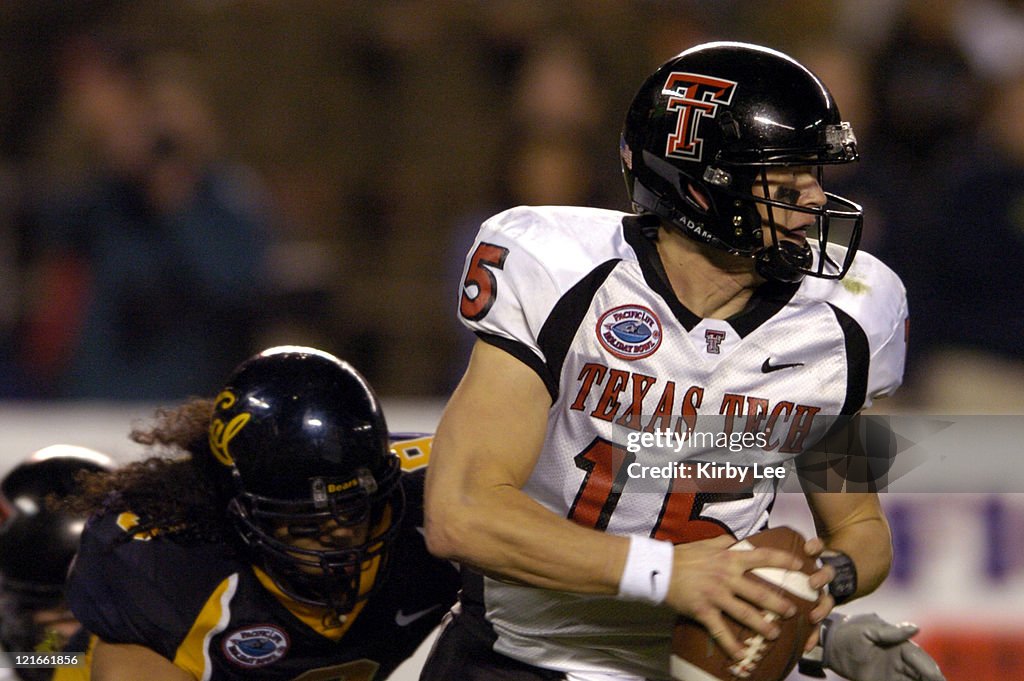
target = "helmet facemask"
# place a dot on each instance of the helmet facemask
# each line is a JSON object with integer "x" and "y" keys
{"x": 727, "y": 217}
{"x": 334, "y": 578}
{"x": 828, "y": 246}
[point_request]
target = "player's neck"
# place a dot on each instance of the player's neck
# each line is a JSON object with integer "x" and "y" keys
{"x": 710, "y": 283}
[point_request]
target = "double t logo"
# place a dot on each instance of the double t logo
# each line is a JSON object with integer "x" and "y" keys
{"x": 692, "y": 96}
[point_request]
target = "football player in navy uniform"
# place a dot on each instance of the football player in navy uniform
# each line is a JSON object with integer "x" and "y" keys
{"x": 286, "y": 544}
{"x": 38, "y": 540}
{"x": 736, "y": 291}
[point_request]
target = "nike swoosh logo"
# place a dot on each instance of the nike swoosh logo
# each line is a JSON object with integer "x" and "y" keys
{"x": 768, "y": 367}
{"x": 403, "y": 620}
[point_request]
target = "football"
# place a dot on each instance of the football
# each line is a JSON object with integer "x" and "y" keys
{"x": 696, "y": 656}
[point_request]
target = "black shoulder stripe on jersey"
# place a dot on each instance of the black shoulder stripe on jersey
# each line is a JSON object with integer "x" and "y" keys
{"x": 560, "y": 327}
{"x": 521, "y": 352}
{"x": 858, "y": 361}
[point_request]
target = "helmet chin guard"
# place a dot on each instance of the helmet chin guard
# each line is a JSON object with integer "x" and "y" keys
{"x": 784, "y": 261}
{"x": 710, "y": 123}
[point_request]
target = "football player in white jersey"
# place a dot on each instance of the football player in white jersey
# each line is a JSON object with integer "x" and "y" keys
{"x": 736, "y": 292}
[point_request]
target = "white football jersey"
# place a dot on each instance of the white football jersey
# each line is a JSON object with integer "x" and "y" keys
{"x": 578, "y": 295}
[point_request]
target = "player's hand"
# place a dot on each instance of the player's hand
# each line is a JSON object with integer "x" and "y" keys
{"x": 866, "y": 648}
{"x": 818, "y": 581}
{"x": 709, "y": 584}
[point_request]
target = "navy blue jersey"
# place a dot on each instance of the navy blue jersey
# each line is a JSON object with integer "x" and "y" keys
{"x": 213, "y": 614}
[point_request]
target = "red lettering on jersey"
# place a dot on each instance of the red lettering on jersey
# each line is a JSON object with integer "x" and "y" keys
{"x": 796, "y": 420}
{"x": 757, "y": 411}
{"x": 769, "y": 428}
{"x": 588, "y": 374}
{"x": 691, "y": 403}
{"x": 799, "y": 428}
{"x": 609, "y": 404}
{"x": 662, "y": 417}
{"x": 732, "y": 404}
{"x": 641, "y": 385}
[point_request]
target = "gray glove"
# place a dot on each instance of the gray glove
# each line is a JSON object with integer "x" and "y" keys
{"x": 867, "y": 648}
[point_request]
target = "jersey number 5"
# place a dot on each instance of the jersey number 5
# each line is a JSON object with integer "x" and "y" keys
{"x": 479, "y": 287}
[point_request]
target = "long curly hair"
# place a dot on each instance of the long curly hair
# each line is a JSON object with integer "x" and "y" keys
{"x": 178, "y": 491}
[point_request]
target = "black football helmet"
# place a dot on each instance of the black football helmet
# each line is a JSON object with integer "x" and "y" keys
{"x": 305, "y": 442}
{"x": 37, "y": 545}
{"x": 710, "y": 122}
{"x": 37, "y": 542}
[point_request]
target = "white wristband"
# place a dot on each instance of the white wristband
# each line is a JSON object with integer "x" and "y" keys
{"x": 648, "y": 570}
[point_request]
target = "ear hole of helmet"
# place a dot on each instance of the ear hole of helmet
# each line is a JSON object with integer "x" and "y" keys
{"x": 745, "y": 222}
{"x": 729, "y": 206}
{"x": 697, "y": 198}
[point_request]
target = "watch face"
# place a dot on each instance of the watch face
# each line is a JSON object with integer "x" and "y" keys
{"x": 844, "y": 584}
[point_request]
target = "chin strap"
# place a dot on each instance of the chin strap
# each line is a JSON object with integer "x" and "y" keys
{"x": 784, "y": 262}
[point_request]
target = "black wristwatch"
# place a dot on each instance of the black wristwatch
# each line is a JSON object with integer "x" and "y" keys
{"x": 844, "y": 584}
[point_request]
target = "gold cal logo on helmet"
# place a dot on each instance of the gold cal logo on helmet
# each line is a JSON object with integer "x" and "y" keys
{"x": 222, "y": 433}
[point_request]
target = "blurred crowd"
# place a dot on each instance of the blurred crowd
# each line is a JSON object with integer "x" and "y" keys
{"x": 184, "y": 182}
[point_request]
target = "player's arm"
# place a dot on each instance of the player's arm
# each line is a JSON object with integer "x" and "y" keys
{"x": 486, "y": 446}
{"x": 854, "y": 525}
{"x": 484, "y": 450}
{"x": 128, "y": 662}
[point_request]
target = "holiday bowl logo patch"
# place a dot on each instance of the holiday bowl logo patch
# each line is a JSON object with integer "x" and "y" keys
{"x": 256, "y": 646}
{"x": 629, "y": 331}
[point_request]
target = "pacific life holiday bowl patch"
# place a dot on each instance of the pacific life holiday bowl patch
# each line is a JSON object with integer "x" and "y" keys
{"x": 256, "y": 646}
{"x": 629, "y": 331}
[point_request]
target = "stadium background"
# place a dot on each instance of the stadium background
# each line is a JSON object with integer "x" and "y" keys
{"x": 382, "y": 132}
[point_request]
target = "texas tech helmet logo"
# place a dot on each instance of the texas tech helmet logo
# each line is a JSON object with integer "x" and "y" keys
{"x": 692, "y": 96}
